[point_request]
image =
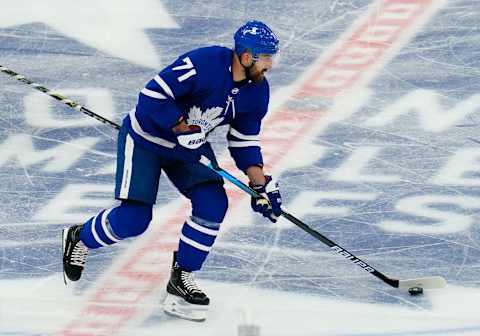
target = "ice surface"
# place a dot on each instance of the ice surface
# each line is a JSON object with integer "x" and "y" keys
{"x": 388, "y": 169}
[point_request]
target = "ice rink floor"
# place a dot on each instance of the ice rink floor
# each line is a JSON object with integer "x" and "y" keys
{"x": 373, "y": 134}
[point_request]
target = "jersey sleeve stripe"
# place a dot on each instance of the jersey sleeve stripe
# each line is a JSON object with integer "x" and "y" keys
{"x": 242, "y": 136}
{"x": 243, "y": 143}
{"x": 164, "y": 86}
{"x": 138, "y": 129}
{"x": 152, "y": 94}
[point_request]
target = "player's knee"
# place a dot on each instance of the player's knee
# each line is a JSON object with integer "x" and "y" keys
{"x": 133, "y": 217}
{"x": 209, "y": 202}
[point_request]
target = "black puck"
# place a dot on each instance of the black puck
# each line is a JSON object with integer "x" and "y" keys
{"x": 415, "y": 291}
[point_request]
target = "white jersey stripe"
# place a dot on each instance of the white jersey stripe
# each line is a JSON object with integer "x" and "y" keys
{"x": 242, "y": 136}
{"x": 106, "y": 229}
{"x": 243, "y": 143}
{"x": 202, "y": 229}
{"x": 127, "y": 168}
{"x": 95, "y": 234}
{"x": 152, "y": 94}
{"x": 137, "y": 129}
{"x": 164, "y": 86}
{"x": 195, "y": 244}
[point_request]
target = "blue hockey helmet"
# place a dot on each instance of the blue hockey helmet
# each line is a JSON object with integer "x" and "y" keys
{"x": 257, "y": 37}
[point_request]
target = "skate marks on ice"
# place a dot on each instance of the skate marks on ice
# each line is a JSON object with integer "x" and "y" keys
{"x": 284, "y": 313}
{"x": 97, "y": 23}
{"x": 364, "y": 165}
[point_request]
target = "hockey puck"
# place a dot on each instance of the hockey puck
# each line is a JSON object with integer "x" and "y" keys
{"x": 415, "y": 291}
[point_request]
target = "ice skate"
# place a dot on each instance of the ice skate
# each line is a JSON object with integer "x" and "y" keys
{"x": 184, "y": 298}
{"x": 74, "y": 254}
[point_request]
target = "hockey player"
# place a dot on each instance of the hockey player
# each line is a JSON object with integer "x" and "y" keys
{"x": 167, "y": 131}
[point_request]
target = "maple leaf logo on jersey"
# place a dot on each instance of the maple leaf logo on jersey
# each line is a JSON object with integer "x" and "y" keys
{"x": 207, "y": 120}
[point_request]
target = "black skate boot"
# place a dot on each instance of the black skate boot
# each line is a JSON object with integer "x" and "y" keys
{"x": 74, "y": 254}
{"x": 185, "y": 299}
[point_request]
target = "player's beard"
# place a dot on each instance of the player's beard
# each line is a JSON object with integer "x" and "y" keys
{"x": 255, "y": 75}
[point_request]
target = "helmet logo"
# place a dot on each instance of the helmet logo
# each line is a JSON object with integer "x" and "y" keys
{"x": 252, "y": 31}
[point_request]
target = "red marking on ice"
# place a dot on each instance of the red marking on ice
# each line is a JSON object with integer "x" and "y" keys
{"x": 369, "y": 43}
{"x": 118, "y": 296}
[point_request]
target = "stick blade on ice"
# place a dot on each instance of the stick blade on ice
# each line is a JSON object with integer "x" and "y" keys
{"x": 433, "y": 282}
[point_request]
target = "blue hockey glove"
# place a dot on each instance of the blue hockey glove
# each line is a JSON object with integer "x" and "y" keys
{"x": 270, "y": 204}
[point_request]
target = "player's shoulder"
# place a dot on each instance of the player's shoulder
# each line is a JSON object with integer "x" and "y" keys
{"x": 208, "y": 63}
{"x": 213, "y": 50}
{"x": 211, "y": 56}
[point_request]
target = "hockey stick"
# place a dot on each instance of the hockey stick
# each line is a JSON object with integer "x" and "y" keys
{"x": 58, "y": 96}
{"x": 426, "y": 282}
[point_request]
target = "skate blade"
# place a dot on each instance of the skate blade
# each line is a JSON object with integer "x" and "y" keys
{"x": 178, "y": 307}
{"x": 64, "y": 243}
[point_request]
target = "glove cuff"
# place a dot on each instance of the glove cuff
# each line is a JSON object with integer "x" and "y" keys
{"x": 271, "y": 185}
{"x": 260, "y": 188}
{"x": 193, "y": 138}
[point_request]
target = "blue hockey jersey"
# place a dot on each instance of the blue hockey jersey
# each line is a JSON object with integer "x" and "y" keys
{"x": 199, "y": 87}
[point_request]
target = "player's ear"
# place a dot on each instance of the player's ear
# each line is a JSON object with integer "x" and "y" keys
{"x": 246, "y": 58}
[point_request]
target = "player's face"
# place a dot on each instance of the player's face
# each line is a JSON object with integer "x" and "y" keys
{"x": 263, "y": 63}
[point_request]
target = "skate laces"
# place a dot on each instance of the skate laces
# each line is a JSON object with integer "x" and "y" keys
{"x": 79, "y": 254}
{"x": 189, "y": 282}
